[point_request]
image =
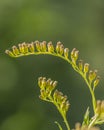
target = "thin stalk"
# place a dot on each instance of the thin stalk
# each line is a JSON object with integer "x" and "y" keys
{"x": 62, "y": 114}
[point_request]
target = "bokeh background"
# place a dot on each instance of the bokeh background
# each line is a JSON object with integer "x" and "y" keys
{"x": 76, "y": 23}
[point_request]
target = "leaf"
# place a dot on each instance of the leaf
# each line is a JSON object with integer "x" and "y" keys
{"x": 86, "y": 117}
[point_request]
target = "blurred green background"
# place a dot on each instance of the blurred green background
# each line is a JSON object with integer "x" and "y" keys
{"x": 75, "y": 23}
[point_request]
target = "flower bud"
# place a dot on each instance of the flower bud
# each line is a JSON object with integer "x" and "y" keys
{"x": 102, "y": 107}
{"x": 40, "y": 81}
{"x": 55, "y": 95}
{"x": 90, "y": 76}
{"x": 21, "y": 48}
{"x": 50, "y": 47}
{"x": 80, "y": 65}
{"x": 96, "y": 81}
{"x": 74, "y": 55}
{"x": 66, "y": 52}
{"x": 67, "y": 106}
{"x": 54, "y": 84}
{"x": 25, "y": 46}
{"x": 15, "y": 50}
{"x": 43, "y": 46}
{"x": 58, "y": 47}
{"x": 86, "y": 67}
{"x": 95, "y": 73}
{"x": 9, "y": 53}
{"x": 37, "y": 44}
{"x": 31, "y": 47}
{"x": 43, "y": 83}
{"x": 63, "y": 105}
{"x": 42, "y": 94}
{"x": 61, "y": 49}
{"x": 48, "y": 82}
{"x": 98, "y": 107}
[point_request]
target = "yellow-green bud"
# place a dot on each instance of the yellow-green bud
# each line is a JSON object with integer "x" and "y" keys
{"x": 54, "y": 84}
{"x": 76, "y": 54}
{"x": 15, "y": 50}
{"x": 98, "y": 107}
{"x": 86, "y": 67}
{"x": 58, "y": 47}
{"x": 21, "y": 48}
{"x": 40, "y": 81}
{"x": 95, "y": 73}
{"x": 67, "y": 106}
{"x": 66, "y": 52}
{"x": 80, "y": 65}
{"x": 43, "y": 83}
{"x": 31, "y": 47}
{"x": 96, "y": 81}
{"x": 9, "y": 53}
{"x": 43, "y": 46}
{"x": 25, "y": 46}
{"x": 61, "y": 49}
{"x": 50, "y": 47}
{"x": 102, "y": 107}
{"x": 90, "y": 76}
{"x": 37, "y": 44}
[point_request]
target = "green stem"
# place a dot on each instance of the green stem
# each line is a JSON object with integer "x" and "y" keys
{"x": 62, "y": 114}
{"x": 88, "y": 84}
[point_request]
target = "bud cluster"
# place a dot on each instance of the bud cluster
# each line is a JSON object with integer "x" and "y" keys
{"x": 74, "y": 55}
{"x": 100, "y": 110}
{"x": 79, "y": 127}
{"x": 35, "y": 47}
{"x": 46, "y": 93}
{"x": 61, "y": 100}
{"x": 46, "y": 87}
{"x": 89, "y": 74}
